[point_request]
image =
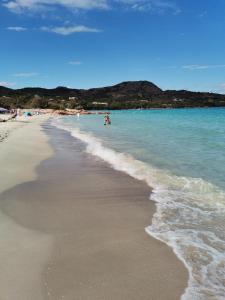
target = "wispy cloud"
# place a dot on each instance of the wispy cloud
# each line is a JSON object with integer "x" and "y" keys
{"x": 202, "y": 14}
{"x": 7, "y": 84}
{"x": 31, "y": 74}
{"x": 202, "y": 67}
{"x": 75, "y": 63}
{"x": 157, "y": 6}
{"x": 67, "y": 30}
{"x": 32, "y": 5}
{"x": 219, "y": 88}
{"x": 16, "y": 28}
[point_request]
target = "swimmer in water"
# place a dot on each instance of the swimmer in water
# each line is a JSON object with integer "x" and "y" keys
{"x": 107, "y": 120}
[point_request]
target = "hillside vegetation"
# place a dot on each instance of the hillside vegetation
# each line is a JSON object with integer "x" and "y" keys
{"x": 125, "y": 95}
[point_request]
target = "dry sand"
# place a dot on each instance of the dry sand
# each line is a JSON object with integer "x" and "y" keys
{"x": 84, "y": 231}
{"x": 24, "y": 145}
{"x": 23, "y": 252}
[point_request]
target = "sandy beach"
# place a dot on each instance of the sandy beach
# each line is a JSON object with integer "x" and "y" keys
{"x": 23, "y": 252}
{"x": 74, "y": 228}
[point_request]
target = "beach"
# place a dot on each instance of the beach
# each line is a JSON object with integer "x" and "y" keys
{"x": 74, "y": 227}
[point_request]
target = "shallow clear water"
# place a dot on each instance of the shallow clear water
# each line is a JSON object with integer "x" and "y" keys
{"x": 181, "y": 154}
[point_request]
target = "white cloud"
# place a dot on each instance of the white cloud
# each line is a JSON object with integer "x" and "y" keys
{"x": 75, "y": 63}
{"x": 156, "y": 6}
{"x": 202, "y": 67}
{"x": 219, "y": 88}
{"x": 21, "y": 5}
{"x": 194, "y": 67}
{"x": 64, "y": 30}
{"x": 31, "y": 74}
{"x": 7, "y": 84}
{"x": 16, "y": 28}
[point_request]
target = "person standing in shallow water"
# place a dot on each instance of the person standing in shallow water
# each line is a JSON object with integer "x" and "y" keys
{"x": 107, "y": 120}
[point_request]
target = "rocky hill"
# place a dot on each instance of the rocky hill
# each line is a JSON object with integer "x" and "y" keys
{"x": 130, "y": 94}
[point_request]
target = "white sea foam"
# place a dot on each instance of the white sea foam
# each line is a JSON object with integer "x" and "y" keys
{"x": 189, "y": 217}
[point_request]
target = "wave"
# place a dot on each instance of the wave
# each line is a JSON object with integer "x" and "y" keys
{"x": 189, "y": 217}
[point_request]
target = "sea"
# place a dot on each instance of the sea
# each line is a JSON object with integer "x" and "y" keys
{"x": 180, "y": 154}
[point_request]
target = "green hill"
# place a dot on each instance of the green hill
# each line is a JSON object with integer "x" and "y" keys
{"x": 125, "y": 95}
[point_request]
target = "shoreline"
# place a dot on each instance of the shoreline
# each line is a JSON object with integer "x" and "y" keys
{"x": 108, "y": 250}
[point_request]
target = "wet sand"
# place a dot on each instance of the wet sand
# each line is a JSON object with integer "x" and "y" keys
{"x": 91, "y": 219}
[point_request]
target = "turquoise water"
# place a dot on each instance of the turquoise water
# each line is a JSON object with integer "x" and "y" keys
{"x": 188, "y": 142}
{"x": 181, "y": 154}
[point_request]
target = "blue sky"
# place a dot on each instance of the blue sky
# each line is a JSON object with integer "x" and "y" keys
{"x": 177, "y": 44}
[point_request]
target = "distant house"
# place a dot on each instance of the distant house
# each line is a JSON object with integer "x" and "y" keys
{"x": 3, "y": 110}
{"x": 177, "y": 100}
{"x": 100, "y": 103}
